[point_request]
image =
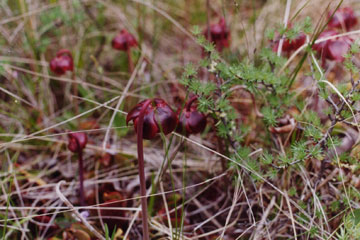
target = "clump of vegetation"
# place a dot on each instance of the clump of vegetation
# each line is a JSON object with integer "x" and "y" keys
{"x": 257, "y": 139}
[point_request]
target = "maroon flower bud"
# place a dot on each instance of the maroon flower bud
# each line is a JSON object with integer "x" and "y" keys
{"x": 219, "y": 34}
{"x": 191, "y": 121}
{"x": 124, "y": 41}
{"x": 77, "y": 141}
{"x": 62, "y": 63}
{"x": 290, "y": 45}
{"x": 158, "y": 117}
{"x": 343, "y": 17}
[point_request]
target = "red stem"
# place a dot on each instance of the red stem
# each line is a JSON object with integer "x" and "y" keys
{"x": 190, "y": 102}
{"x": 141, "y": 164}
{"x": 81, "y": 177}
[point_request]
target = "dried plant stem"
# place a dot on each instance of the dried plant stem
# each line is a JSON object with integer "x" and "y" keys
{"x": 142, "y": 170}
{"x": 286, "y": 19}
{"x": 83, "y": 220}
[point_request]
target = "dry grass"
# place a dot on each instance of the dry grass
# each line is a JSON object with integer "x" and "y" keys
{"x": 37, "y": 111}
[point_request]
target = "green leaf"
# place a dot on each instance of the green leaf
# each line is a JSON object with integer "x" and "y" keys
{"x": 266, "y": 158}
{"x": 292, "y": 191}
{"x": 311, "y": 131}
{"x": 120, "y": 124}
{"x": 269, "y": 116}
{"x": 196, "y": 30}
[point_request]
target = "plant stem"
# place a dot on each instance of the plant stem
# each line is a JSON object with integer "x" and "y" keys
{"x": 141, "y": 170}
{"x": 81, "y": 177}
{"x": 190, "y": 102}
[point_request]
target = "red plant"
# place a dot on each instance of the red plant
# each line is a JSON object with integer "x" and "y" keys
{"x": 333, "y": 49}
{"x": 191, "y": 121}
{"x": 336, "y": 49}
{"x": 147, "y": 125}
{"x": 62, "y": 63}
{"x": 319, "y": 47}
{"x": 158, "y": 117}
{"x": 343, "y": 18}
{"x": 124, "y": 41}
{"x": 110, "y": 216}
{"x": 219, "y": 34}
{"x": 290, "y": 45}
{"x": 77, "y": 142}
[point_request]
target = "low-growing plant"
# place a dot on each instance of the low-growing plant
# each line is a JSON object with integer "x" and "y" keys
{"x": 124, "y": 41}
{"x": 150, "y": 117}
{"x": 77, "y": 143}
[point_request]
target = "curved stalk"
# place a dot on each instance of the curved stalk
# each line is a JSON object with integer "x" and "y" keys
{"x": 142, "y": 170}
{"x": 190, "y": 102}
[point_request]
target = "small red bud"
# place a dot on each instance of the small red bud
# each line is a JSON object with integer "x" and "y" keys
{"x": 343, "y": 17}
{"x": 157, "y": 114}
{"x": 124, "y": 41}
{"x": 191, "y": 121}
{"x": 77, "y": 141}
{"x": 62, "y": 63}
{"x": 219, "y": 34}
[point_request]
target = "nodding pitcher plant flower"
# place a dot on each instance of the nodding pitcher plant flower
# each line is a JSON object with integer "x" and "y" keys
{"x": 62, "y": 63}
{"x": 150, "y": 117}
{"x": 219, "y": 34}
{"x": 77, "y": 143}
{"x": 158, "y": 116}
{"x": 191, "y": 121}
{"x": 124, "y": 41}
{"x": 342, "y": 18}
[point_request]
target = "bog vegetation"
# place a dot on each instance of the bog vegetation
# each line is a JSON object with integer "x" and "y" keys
{"x": 191, "y": 119}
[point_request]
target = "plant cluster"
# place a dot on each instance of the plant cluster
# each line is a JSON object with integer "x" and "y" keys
{"x": 285, "y": 129}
